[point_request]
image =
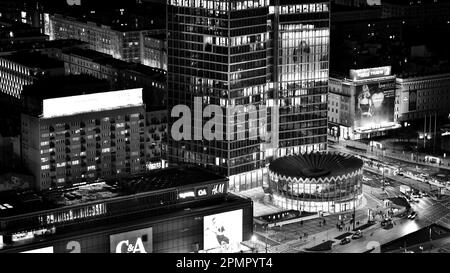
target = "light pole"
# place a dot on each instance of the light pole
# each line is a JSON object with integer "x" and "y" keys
{"x": 267, "y": 227}
{"x": 254, "y": 243}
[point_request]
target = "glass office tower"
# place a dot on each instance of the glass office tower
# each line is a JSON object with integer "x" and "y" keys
{"x": 248, "y": 55}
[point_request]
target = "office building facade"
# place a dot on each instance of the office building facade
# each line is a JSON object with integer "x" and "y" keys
{"x": 125, "y": 43}
{"x": 20, "y": 69}
{"x": 252, "y": 55}
{"x": 80, "y": 139}
{"x": 421, "y": 95}
{"x": 362, "y": 105}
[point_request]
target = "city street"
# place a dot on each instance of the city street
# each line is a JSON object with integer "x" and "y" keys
{"x": 377, "y": 187}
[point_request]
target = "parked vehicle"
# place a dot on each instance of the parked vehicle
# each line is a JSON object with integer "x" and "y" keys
{"x": 357, "y": 235}
{"x": 386, "y": 222}
{"x": 412, "y": 216}
{"x": 345, "y": 241}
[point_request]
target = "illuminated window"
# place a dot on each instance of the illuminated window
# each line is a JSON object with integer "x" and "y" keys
{"x": 44, "y": 143}
{"x": 45, "y": 167}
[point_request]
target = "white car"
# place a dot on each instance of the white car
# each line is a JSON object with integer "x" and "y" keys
{"x": 412, "y": 216}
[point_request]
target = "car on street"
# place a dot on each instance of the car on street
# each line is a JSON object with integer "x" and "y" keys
{"x": 386, "y": 222}
{"x": 366, "y": 179}
{"x": 412, "y": 215}
{"x": 357, "y": 235}
{"x": 345, "y": 241}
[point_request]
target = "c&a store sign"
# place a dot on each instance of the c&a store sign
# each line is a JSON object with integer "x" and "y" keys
{"x": 137, "y": 241}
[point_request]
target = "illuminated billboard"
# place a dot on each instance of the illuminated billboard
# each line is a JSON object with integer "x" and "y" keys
{"x": 92, "y": 102}
{"x": 370, "y": 73}
{"x": 40, "y": 250}
{"x": 223, "y": 231}
{"x": 374, "y": 104}
{"x": 136, "y": 241}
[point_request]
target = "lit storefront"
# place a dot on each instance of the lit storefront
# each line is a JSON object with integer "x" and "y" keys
{"x": 168, "y": 211}
{"x": 316, "y": 182}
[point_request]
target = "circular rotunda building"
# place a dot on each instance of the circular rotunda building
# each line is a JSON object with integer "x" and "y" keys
{"x": 316, "y": 182}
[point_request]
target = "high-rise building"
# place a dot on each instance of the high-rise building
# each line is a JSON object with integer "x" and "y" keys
{"x": 248, "y": 55}
{"x": 82, "y": 138}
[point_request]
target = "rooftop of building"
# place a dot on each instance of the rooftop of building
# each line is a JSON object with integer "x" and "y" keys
{"x": 111, "y": 20}
{"x": 423, "y": 235}
{"x": 199, "y": 208}
{"x": 424, "y": 67}
{"x": 87, "y": 53}
{"x": 65, "y": 86}
{"x": 108, "y": 60}
{"x": 316, "y": 165}
{"x": 19, "y": 203}
{"x": 34, "y": 60}
{"x": 40, "y": 45}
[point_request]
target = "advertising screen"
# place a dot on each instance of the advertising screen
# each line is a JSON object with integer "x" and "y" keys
{"x": 370, "y": 73}
{"x": 40, "y": 250}
{"x": 223, "y": 231}
{"x": 136, "y": 241}
{"x": 374, "y": 104}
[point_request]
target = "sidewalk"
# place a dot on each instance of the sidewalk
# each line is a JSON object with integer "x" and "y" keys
{"x": 295, "y": 236}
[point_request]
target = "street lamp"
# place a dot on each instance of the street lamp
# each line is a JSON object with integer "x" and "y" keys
{"x": 254, "y": 242}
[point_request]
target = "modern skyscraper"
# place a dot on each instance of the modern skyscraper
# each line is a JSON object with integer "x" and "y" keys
{"x": 248, "y": 55}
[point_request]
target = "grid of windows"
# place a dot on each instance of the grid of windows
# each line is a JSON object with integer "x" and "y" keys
{"x": 232, "y": 53}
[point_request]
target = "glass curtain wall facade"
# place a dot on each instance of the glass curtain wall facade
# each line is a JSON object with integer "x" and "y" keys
{"x": 248, "y": 53}
{"x": 301, "y": 34}
{"x": 313, "y": 195}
